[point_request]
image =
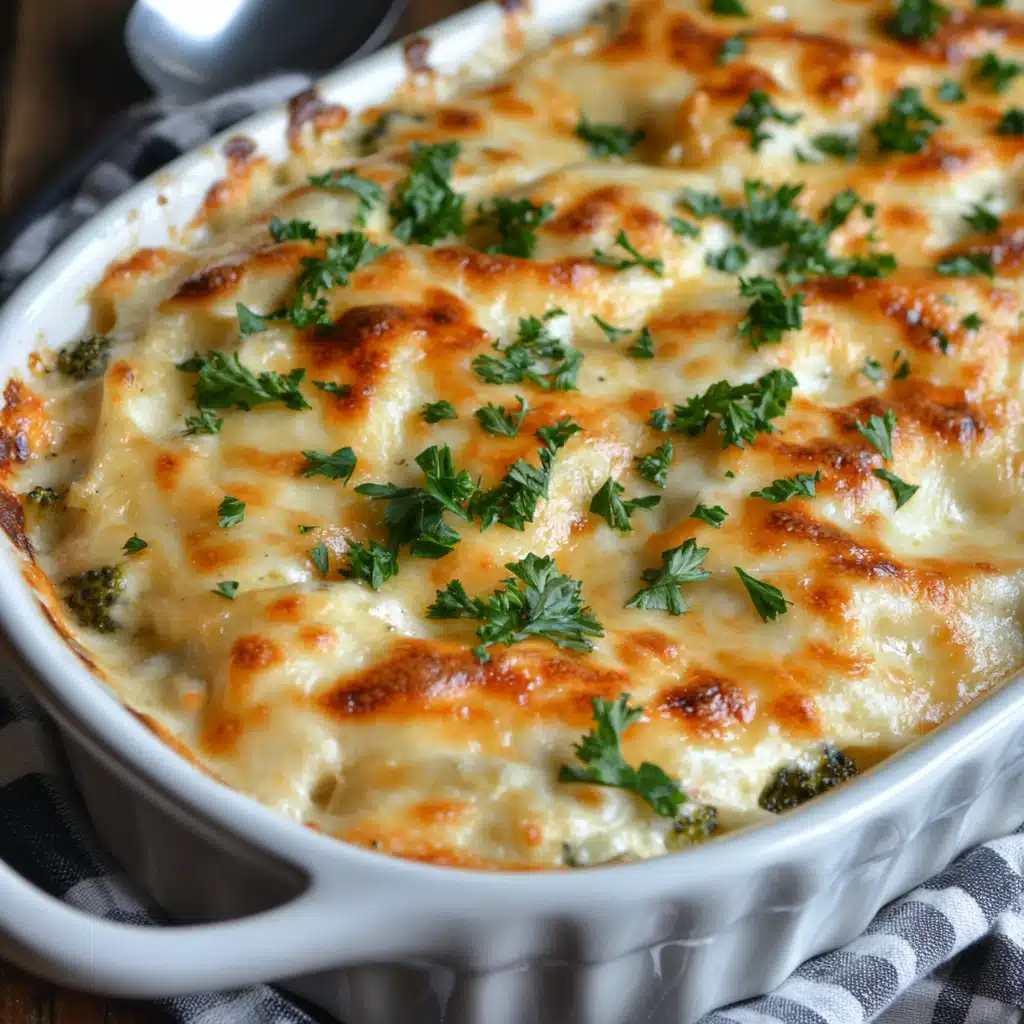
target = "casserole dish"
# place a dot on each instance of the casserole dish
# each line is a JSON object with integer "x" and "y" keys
{"x": 373, "y": 939}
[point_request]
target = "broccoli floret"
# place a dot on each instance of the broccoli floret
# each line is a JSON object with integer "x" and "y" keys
{"x": 84, "y": 359}
{"x": 43, "y": 496}
{"x": 90, "y": 595}
{"x": 796, "y": 783}
{"x": 694, "y": 823}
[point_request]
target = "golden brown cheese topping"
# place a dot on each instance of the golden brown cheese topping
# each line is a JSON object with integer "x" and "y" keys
{"x": 556, "y": 463}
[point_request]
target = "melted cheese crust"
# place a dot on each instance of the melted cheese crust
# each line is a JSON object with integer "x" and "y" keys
{"x": 347, "y": 708}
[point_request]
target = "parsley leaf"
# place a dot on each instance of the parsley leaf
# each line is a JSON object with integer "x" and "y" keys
{"x": 203, "y": 423}
{"x": 227, "y": 588}
{"x": 1012, "y": 122}
{"x": 607, "y": 139}
{"x": 292, "y": 230}
{"x": 134, "y": 544}
{"x": 916, "y": 20}
{"x": 836, "y": 144}
{"x": 495, "y": 420}
{"x": 972, "y": 322}
{"x": 878, "y": 431}
{"x": 767, "y": 600}
{"x": 426, "y": 208}
{"x": 654, "y": 467}
{"x": 713, "y": 515}
{"x": 321, "y": 559}
{"x": 655, "y": 265}
{"x": 230, "y": 512}
{"x": 730, "y": 260}
{"x": 908, "y": 125}
{"x": 902, "y": 370}
{"x": 729, "y": 9}
{"x": 966, "y": 265}
{"x": 519, "y": 361}
{"x": 901, "y": 490}
{"x": 982, "y": 219}
{"x": 248, "y": 321}
{"x": 516, "y": 221}
{"x": 951, "y": 91}
{"x": 341, "y": 390}
{"x": 434, "y": 412}
{"x": 683, "y": 228}
{"x": 733, "y": 47}
{"x": 701, "y": 204}
{"x": 799, "y": 486}
{"x": 616, "y": 512}
{"x": 224, "y": 383}
{"x": 741, "y": 410}
{"x": 369, "y": 193}
{"x": 374, "y": 565}
{"x": 678, "y": 566}
{"x": 753, "y": 114}
{"x": 771, "y": 313}
{"x": 872, "y": 369}
{"x": 339, "y": 465}
{"x": 999, "y": 74}
{"x": 537, "y": 601}
{"x": 643, "y": 346}
{"x": 601, "y": 753}
{"x": 613, "y": 334}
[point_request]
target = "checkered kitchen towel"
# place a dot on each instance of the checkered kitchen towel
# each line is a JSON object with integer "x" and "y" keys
{"x": 951, "y": 952}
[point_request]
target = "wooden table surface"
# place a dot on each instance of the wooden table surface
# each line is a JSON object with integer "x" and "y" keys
{"x": 63, "y": 74}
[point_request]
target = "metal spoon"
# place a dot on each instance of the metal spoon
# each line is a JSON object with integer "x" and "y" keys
{"x": 188, "y": 50}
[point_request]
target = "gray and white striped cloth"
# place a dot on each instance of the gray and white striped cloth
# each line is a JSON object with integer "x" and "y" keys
{"x": 951, "y": 952}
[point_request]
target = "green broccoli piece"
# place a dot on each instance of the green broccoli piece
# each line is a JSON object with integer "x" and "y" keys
{"x": 694, "y": 823}
{"x": 796, "y": 783}
{"x": 84, "y": 359}
{"x": 90, "y": 596}
{"x": 44, "y": 496}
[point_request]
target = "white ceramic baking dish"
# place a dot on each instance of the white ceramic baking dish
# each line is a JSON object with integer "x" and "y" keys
{"x": 378, "y": 941}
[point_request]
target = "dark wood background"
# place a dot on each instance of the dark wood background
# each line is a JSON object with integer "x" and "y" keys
{"x": 63, "y": 75}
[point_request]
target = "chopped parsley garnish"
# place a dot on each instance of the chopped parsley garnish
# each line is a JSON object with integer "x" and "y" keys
{"x": 1012, "y": 122}
{"x": 982, "y": 219}
{"x": 683, "y": 228}
{"x": 495, "y": 420}
{"x": 758, "y": 109}
{"x": 767, "y": 600}
{"x": 434, "y": 412}
{"x": 678, "y": 566}
{"x": 835, "y": 144}
{"x": 730, "y": 260}
{"x": 643, "y": 346}
{"x": 426, "y": 208}
{"x": 224, "y": 383}
{"x": 134, "y": 544}
{"x": 613, "y": 334}
{"x": 522, "y": 360}
{"x": 600, "y": 750}
{"x": 872, "y": 369}
{"x": 901, "y": 490}
{"x": 908, "y": 125}
{"x": 374, "y": 565}
{"x": 369, "y": 193}
{"x": 44, "y": 496}
{"x": 771, "y": 313}
{"x": 346, "y": 253}
{"x": 655, "y": 265}
{"x": 248, "y": 321}
{"x": 339, "y": 465}
{"x": 713, "y": 515}
{"x": 916, "y": 20}
{"x": 654, "y": 467}
{"x": 227, "y": 588}
{"x": 951, "y": 91}
{"x": 729, "y": 9}
{"x": 203, "y": 423}
{"x": 742, "y": 411}
{"x": 701, "y": 204}
{"x": 321, "y": 559}
{"x": 733, "y": 47}
{"x": 516, "y": 221}
{"x": 230, "y": 512}
{"x": 308, "y": 529}
{"x": 967, "y": 265}
{"x": 799, "y": 486}
{"x": 999, "y": 74}
{"x": 617, "y": 512}
{"x": 943, "y": 339}
{"x": 341, "y": 390}
{"x": 536, "y": 601}
{"x": 293, "y": 230}
{"x": 607, "y": 139}
{"x": 972, "y": 322}
{"x": 878, "y": 431}
{"x": 902, "y": 369}
{"x": 414, "y": 516}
